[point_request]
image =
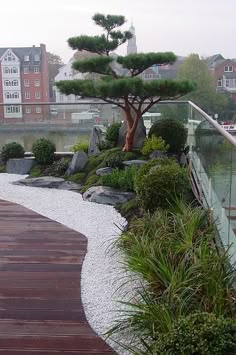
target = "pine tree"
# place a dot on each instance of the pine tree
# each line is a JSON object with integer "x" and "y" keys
{"x": 129, "y": 92}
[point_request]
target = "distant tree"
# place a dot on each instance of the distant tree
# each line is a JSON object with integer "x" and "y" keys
{"x": 54, "y": 64}
{"x": 133, "y": 95}
{"x": 204, "y": 95}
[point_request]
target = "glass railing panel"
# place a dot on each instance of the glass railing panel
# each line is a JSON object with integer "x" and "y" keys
{"x": 214, "y": 164}
{"x": 64, "y": 124}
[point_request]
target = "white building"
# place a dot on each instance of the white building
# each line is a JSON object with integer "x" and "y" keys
{"x": 67, "y": 73}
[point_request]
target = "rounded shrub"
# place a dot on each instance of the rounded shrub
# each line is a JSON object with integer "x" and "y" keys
{"x": 199, "y": 334}
{"x": 12, "y": 150}
{"x": 112, "y": 133}
{"x": 43, "y": 150}
{"x": 115, "y": 160}
{"x": 172, "y": 131}
{"x": 163, "y": 182}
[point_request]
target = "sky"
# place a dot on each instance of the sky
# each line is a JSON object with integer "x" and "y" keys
{"x": 205, "y": 27}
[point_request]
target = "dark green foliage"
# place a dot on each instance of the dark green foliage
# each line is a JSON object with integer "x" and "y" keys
{"x": 121, "y": 179}
{"x": 12, "y": 150}
{"x": 173, "y": 133}
{"x": 43, "y": 150}
{"x": 91, "y": 180}
{"x": 112, "y": 133}
{"x": 138, "y": 62}
{"x": 160, "y": 185}
{"x": 199, "y": 334}
{"x": 114, "y": 160}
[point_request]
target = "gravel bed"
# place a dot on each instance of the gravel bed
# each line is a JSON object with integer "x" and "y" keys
{"x": 102, "y": 273}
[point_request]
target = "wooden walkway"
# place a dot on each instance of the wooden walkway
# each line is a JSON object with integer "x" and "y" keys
{"x": 40, "y": 302}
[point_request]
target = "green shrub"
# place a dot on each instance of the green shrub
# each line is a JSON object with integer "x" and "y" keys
{"x": 154, "y": 143}
{"x": 156, "y": 188}
{"x": 60, "y": 166}
{"x": 173, "y": 133}
{"x": 112, "y": 133}
{"x": 105, "y": 145}
{"x": 76, "y": 178}
{"x": 114, "y": 160}
{"x": 80, "y": 146}
{"x": 12, "y": 150}
{"x": 43, "y": 150}
{"x": 199, "y": 334}
{"x": 36, "y": 171}
{"x": 121, "y": 179}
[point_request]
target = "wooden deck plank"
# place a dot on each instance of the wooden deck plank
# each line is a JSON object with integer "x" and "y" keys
{"x": 40, "y": 298}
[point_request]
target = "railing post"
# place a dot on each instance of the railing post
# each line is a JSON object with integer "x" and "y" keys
{"x": 209, "y": 190}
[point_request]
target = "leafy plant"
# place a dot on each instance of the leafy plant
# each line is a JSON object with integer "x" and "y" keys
{"x": 12, "y": 150}
{"x": 201, "y": 333}
{"x": 173, "y": 133}
{"x": 60, "y": 166}
{"x": 121, "y": 179}
{"x": 161, "y": 184}
{"x": 80, "y": 146}
{"x": 112, "y": 133}
{"x": 114, "y": 160}
{"x": 154, "y": 143}
{"x": 43, "y": 150}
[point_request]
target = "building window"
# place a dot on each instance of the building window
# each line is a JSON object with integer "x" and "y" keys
{"x": 227, "y": 83}
{"x": 16, "y": 95}
{"x": 12, "y": 109}
{"x": 26, "y": 58}
{"x": 14, "y": 70}
{"x": 219, "y": 82}
{"x": 37, "y": 58}
{"x": 15, "y": 83}
{"x": 9, "y": 57}
{"x": 228, "y": 68}
{"x": 7, "y": 83}
{"x": 6, "y": 70}
{"x": 26, "y": 70}
{"x": 7, "y": 95}
{"x": 37, "y": 95}
{"x": 28, "y": 109}
{"x": 38, "y": 109}
{"x": 37, "y": 83}
{"x": 27, "y": 95}
{"x": 26, "y": 83}
{"x": 36, "y": 69}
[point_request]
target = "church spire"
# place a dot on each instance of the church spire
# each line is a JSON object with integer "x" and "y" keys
{"x": 132, "y": 46}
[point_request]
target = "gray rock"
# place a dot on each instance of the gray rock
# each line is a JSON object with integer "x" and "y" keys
{"x": 20, "y": 166}
{"x": 139, "y": 137}
{"x": 104, "y": 171}
{"x": 49, "y": 182}
{"x": 157, "y": 154}
{"x": 95, "y": 139}
{"x": 78, "y": 163}
{"x": 107, "y": 195}
{"x": 134, "y": 162}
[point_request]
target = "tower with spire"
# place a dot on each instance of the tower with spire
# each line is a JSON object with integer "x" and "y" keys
{"x": 132, "y": 46}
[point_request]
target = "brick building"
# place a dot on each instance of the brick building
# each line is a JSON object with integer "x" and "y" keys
{"x": 24, "y": 78}
{"x": 224, "y": 73}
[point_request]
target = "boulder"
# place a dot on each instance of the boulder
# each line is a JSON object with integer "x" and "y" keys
{"x": 104, "y": 171}
{"x": 135, "y": 162}
{"x": 49, "y": 182}
{"x": 157, "y": 154}
{"x": 20, "y": 166}
{"x": 95, "y": 139}
{"x": 139, "y": 136}
{"x": 78, "y": 163}
{"x": 107, "y": 195}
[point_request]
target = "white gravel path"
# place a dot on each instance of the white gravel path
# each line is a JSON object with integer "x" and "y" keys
{"x": 102, "y": 273}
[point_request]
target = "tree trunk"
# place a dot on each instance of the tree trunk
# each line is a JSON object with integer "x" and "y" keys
{"x": 132, "y": 124}
{"x": 129, "y": 140}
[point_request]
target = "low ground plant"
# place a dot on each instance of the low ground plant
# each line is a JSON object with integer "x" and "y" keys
{"x": 121, "y": 179}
